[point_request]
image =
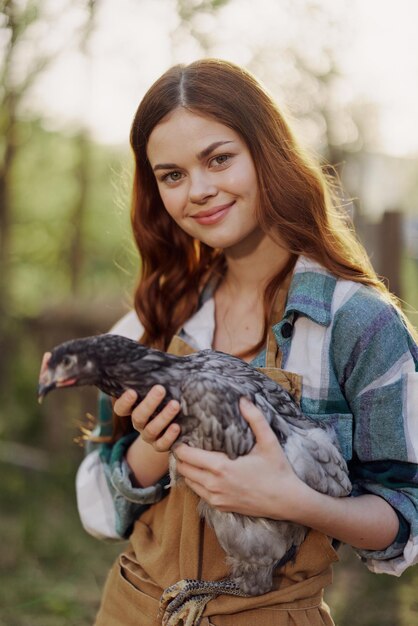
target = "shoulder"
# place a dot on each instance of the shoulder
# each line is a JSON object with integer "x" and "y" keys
{"x": 128, "y": 326}
{"x": 359, "y": 311}
{"x": 328, "y": 299}
{"x": 369, "y": 339}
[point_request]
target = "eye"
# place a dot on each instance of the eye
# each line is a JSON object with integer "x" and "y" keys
{"x": 68, "y": 360}
{"x": 172, "y": 177}
{"x": 220, "y": 159}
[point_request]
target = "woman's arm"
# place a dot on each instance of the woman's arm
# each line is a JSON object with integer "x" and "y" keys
{"x": 108, "y": 500}
{"x": 263, "y": 483}
{"x": 111, "y": 493}
{"x": 147, "y": 456}
{"x": 108, "y": 493}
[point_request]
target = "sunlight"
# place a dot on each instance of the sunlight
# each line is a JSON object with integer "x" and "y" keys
{"x": 373, "y": 43}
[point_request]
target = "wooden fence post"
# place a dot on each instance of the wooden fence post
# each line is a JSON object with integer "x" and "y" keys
{"x": 390, "y": 253}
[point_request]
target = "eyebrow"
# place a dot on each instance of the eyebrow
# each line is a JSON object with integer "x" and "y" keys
{"x": 201, "y": 155}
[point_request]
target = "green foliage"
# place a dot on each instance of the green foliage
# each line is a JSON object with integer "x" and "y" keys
{"x": 44, "y": 191}
{"x": 409, "y": 277}
{"x": 42, "y": 309}
{"x": 19, "y": 409}
{"x": 51, "y": 572}
{"x": 361, "y": 598}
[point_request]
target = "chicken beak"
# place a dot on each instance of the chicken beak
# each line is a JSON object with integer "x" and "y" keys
{"x": 46, "y": 382}
{"x": 44, "y": 388}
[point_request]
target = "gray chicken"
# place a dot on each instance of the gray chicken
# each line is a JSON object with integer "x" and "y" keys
{"x": 208, "y": 386}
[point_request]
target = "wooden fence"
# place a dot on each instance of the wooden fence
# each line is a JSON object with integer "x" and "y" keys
{"x": 384, "y": 243}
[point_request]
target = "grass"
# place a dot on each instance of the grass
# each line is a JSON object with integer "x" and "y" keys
{"x": 51, "y": 571}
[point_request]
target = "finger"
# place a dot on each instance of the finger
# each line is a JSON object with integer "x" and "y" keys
{"x": 203, "y": 490}
{"x": 192, "y": 472}
{"x": 155, "y": 427}
{"x": 148, "y": 406}
{"x": 198, "y": 489}
{"x": 164, "y": 443}
{"x": 204, "y": 459}
{"x": 123, "y": 405}
{"x": 258, "y": 423}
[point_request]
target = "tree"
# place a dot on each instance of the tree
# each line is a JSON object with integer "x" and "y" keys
{"x": 76, "y": 244}
{"x": 15, "y": 21}
{"x": 190, "y": 14}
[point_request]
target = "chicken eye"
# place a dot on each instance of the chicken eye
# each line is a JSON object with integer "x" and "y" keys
{"x": 67, "y": 361}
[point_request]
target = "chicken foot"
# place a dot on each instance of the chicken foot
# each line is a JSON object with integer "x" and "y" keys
{"x": 186, "y": 600}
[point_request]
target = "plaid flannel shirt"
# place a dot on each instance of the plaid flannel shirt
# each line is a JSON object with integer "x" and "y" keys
{"x": 359, "y": 368}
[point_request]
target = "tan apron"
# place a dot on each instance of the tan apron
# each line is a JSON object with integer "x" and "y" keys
{"x": 170, "y": 542}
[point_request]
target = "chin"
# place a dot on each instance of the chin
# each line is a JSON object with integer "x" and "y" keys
{"x": 246, "y": 241}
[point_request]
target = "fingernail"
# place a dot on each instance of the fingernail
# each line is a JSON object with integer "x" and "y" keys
{"x": 132, "y": 395}
{"x": 245, "y": 401}
{"x": 159, "y": 391}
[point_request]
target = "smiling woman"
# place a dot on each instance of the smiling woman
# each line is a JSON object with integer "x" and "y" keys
{"x": 244, "y": 250}
{"x": 213, "y": 185}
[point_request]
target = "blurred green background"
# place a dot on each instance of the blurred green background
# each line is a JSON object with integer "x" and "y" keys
{"x": 72, "y": 75}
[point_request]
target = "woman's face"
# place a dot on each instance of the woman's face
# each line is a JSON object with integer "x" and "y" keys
{"x": 206, "y": 178}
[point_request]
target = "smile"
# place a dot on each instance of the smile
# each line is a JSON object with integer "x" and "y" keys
{"x": 212, "y": 216}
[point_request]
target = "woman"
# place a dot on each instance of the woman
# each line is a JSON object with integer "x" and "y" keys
{"x": 244, "y": 250}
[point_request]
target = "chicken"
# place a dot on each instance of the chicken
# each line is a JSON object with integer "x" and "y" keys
{"x": 208, "y": 385}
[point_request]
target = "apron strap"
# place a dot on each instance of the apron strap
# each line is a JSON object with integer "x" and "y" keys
{"x": 179, "y": 347}
{"x": 273, "y": 352}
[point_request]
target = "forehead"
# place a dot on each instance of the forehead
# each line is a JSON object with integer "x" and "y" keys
{"x": 183, "y": 132}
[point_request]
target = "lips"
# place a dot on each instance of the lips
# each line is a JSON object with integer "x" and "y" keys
{"x": 214, "y": 215}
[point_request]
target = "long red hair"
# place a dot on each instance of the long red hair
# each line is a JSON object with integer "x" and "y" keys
{"x": 296, "y": 202}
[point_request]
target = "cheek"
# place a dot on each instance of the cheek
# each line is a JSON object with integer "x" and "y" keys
{"x": 244, "y": 181}
{"x": 246, "y": 187}
{"x": 173, "y": 200}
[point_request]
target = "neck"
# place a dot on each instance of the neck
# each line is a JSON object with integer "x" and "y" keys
{"x": 249, "y": 270}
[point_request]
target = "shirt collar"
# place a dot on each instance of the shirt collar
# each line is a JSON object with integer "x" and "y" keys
{"x": 311, "y": 291}
{"x": 198, "y": 331}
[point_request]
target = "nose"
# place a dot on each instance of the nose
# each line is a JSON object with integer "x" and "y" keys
{"x": 202, "y": 188}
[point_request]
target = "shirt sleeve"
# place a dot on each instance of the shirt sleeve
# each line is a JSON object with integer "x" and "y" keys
{"x": 376, "y": 361}
{"x": 108, "y": 502}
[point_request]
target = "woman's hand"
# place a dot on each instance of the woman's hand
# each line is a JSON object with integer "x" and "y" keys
{"x": 147, "y": 456}
{"x": 158, "y": 431}
{"x": 261, "y": 483}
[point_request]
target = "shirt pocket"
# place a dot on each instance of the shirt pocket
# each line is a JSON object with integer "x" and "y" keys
{"x": 342, "y": 423}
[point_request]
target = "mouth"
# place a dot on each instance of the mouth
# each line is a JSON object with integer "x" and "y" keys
{"x": 214, "y": 215}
